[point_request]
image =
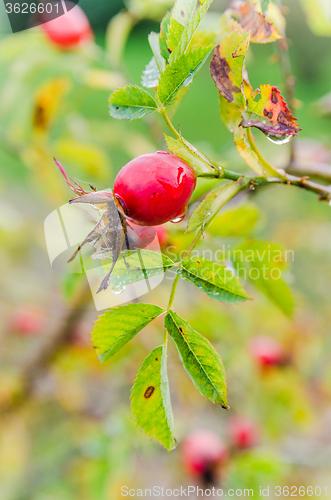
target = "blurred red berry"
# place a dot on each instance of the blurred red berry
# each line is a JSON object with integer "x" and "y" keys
{"x": 267, "y": 351}
{"x": 70, "y": 30}
{"x": 243, "y": 432}
{"x": 155, "y": 188}
{"x": 162, "y": 234}
{"x": 146, "y": 236}
{"x": 202, "y": 450}
{"x": 27, "y": 321}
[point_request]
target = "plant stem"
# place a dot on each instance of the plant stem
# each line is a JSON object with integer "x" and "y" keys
{"x": 168, "y": 122}
{"x": 175, "y": 282}
{"x": 187, "y": 254}
{"x": 265, "y": 164}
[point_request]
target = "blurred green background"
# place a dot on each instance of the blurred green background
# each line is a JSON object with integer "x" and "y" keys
{"x": 72, "y": 435}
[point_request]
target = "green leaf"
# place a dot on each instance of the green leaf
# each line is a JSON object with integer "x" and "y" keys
{"x": 183, "y": 11}
{"x": 214, "y": 201}
{"x": 263, "y": 263}
{"x": 175, "y": 32}
{"x": 131, "y": 102}
{"x": 164, "y": 35}
{"x": 189, "y": 30}
{"x": 154, "y": 42}
{"x": 151, "y": 74}
{"x": 150, "y": 399}
{"x": 180, "y": 73}
{"x": 216, "y": 281}
{"x": 119, "y": 325}
{"x": 226, "y": 66}
{"x": 199, "y": 358}
{"x": 138, "y": 265}
{"x": 187, "y": 152}
{"x": 239, "y": 221}
{"x": 248, "y": 155}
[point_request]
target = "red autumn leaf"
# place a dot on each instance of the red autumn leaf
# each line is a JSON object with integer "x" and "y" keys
{"x": 270, "y": 113}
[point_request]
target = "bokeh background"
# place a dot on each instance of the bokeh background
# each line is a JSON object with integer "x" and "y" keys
{"x": 65, "y": 426}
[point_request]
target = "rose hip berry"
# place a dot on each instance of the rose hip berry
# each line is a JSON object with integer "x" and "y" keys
{"x": 146, "y": 236}
{"x": 202, "y": 451}
{"x": 243, "y": 432}
{"x": 155, "y": 188}
{"x": 267, "y": 352}
{"x": 70, "y": 30}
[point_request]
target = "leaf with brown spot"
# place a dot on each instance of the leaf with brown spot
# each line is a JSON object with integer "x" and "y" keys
{"x": 246, "y": 16}
{"x": 270, "y": 113}
{"x": 226, "y": 66}
{"x": 150, "y": 399}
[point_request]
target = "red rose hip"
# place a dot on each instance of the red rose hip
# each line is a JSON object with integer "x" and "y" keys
{"x": 243, "y": 432}
{"x": 267, "y": 351}
{"x": 202, "y": 451}
{"x": 70, "y": 30}
{"x": 155, "y": 188}
{"x": 146, "y": 236}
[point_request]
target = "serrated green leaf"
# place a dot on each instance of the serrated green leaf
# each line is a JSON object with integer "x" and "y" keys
{"x": 151, "y": 74}
{"x": 138, "y": 265}
{"x": 150, "y": 399}
{"x": 164, "y": 27}
{"x": 154, "y": 42}
{"x": 226, "y": 66}
{"x": 199, "y": 358}
{"x": 175, "y": 31}
{"x": 263, "y": 263}
{"x": 131, "y": 102}
{"x": 216, "y": 281}
{"x": 119, "y": 325}
{"x": 187, "y": 152}
{"x": 214, "y": 201}
{"x": 239, "y": 221}
{"x": 180, "y": 73}
{"x": 190, "y": 29}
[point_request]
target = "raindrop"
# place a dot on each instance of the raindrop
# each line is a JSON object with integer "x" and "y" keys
{"x": 118, "y": 289}
{"x": 188, "y": 80}
{"x": 279, "y": 139}
{"x": 178, "y": 219}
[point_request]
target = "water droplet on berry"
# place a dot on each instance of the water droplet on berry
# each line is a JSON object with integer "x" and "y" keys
{"x": 279, "y": 139}
{"x": 178, "y": 219}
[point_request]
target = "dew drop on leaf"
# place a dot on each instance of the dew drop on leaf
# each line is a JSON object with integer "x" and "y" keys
{"x": 118, "y": 289}
{"x": 279, "y": 140}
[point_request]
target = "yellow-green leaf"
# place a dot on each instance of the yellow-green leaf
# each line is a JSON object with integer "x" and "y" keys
{"x": 150, "y": 399}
